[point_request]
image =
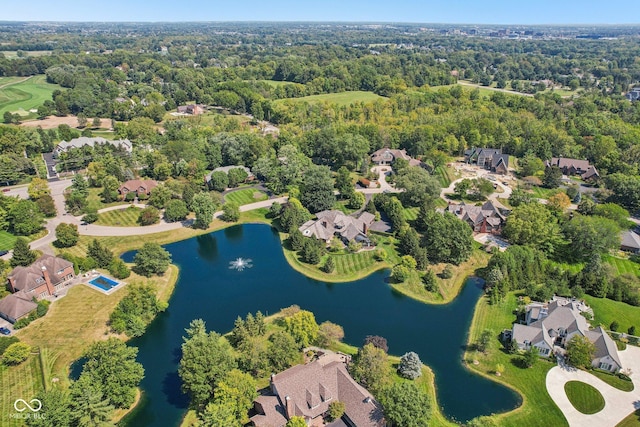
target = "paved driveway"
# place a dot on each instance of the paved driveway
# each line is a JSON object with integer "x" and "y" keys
{"x": 618, "y": 404}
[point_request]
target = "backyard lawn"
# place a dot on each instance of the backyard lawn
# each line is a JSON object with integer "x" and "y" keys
{"x": 633, "y": 420}
{"x": 584, "y": 397}
{"x": 23, "y": 381}
{"x": 246, "y": 196}
{"x": 538, "y": 409}
{"x": 7, "y": 240}
{"x": 605, "y": 311}
{"x": 94, "y": 200}
{"x": 340, "y": 98}
{"x": 623, "y": 266}
{"x": 127, "y": 217}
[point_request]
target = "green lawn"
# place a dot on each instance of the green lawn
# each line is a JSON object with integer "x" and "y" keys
{"x": 543, "y": 193}
{"x": 633, "y": 420}
{"x": 605, "y": 311}
{"x": 584, "y": 397}
{"x": 623, "y": 266}
{"x": 445, "y": 175}
{"x": 126, "y": 217}
{"x": 341, "y": 98}
{"x": 410, "y": 214}
{"x": 246, "y": 196}
{"x": 613, "y": 380}
{"x": 25, "y": 95}
{"x": 18, "y": 382}
{"x": 7, "y": 240}
{"x": 538, "y": 409}
{"x": 13, "y": 54}
{"x": 94, "y": 200}
{"x": 274, "y": 83}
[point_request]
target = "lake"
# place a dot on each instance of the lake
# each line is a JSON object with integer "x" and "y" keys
{"x": 207, "y": 288}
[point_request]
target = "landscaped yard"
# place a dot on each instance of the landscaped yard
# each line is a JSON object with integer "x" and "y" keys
{"x": 94, "y": 200}
{"x": 606, "y": 311}
{"x": 7, "y": 240}
{"x": 340, "y": 98}
{"x": 623, "y": 266}
{"x": 21, "y": 96}
{"x": 633, "y": 420}
{"x": 613, "y": 380}
{"x": 584, "y": 397}
{"x": 246, "y": 196}
{"x": 127, "y": 217}
{"x": 23, "y": 381}
{"x": 538, "y": 409}
{"x": 445, "y": 175}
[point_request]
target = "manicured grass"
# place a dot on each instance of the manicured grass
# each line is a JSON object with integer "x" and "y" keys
{"x": 613, "y": 380}
{"x": 7, "y": 240}
{"x": 341, "y": 98}
{"x": 127, "y": 217}
{"x": 80, "y": 318}
{"x": 274, "y": 83}
{"x": 584, "y": 397}
{"x": 445, "y": 175}
{"x": 538, "y": 409}
{"x": 25, "y": 95}
{"x": 246, "y": 196}
{"x": 23, "y": 381}
{"x": 410, "y": 214}
{"x": 94, "y": 200}
{"x": 605, "y": 311}
{"x": 542, "y": 193}
{"x": 633, "y": 420}
{"x": 341, "y": 205}
{"x": 623, "y": 266}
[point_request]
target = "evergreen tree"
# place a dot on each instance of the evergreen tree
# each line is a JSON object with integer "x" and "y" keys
{"x": 22, "y": 255}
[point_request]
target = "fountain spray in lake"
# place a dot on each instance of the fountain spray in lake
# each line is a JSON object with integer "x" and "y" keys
{"x": 240, "y": 264}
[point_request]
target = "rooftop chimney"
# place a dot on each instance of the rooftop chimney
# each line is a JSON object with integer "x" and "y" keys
{"x": 50, "y": 288}
{"x": 288, "y": 404}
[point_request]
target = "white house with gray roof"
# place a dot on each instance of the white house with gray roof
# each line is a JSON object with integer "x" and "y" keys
{"x": 83, "y": 141}
{"x": 550, "y": 326}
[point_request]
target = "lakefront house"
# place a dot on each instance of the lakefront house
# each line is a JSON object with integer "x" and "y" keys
{"x": 347, "y": 228}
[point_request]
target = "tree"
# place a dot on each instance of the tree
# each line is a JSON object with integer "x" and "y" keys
{"x": 530, "y": 357}
{"x": 236, "y": 390}
{"x": 82, "y": 120}
{"x": 55, "y": 409}
{"x": 316, "y": 192}
{"x": 530, "y": 165}
{"x": 588, "y": 235}
{"x": 100, "y": 253}
{"x": 580, "y": 351}
{"x": 79, "y": 185}
{"x": 176, "y": 210}
{"x": 96, "y": 122}
{"x": 38, "y": 188}
{"x": 445, "y": 237}
{"x": 16, "y": 353}
{"x": 430, "y": 281}
{"x": 283, "y": 351}
{"x": 110, "y": 186}
{"x": 336, "y": 410}
{"x": 293, "y": 215}
{"x": 148, "y": 216}
{"x": 119, "y": 269}
{"x": 112, "y": 364}
{"x": 400, "y": 273}
{"x": 46, "y": 206}
{"x": 410, "y": 366}
{"x": 66, "y": 235}
{"x": 559, "y": 202}
{"x": 230, "y": 212}
{"x": 369, "y": 368}
{"x": 329, "y": 333}
{"x": 206, "y": 359}
{"x": 151, "y": 259}
{"x": 587, "y": 206}
{"x": 533, "y": 224}
{"x": 237, "y": 176}
{"x": 89, "y": 406}
{"x": 219, "y": 181}
{"x": 406, "y": 405}
{"x": 377, "y": 342}
{"x": 552, "y": 177}
{"x": 519, "y": 197}
{"x": 204, "y": 208}
{"x": 614, "y": 326}
{"x": 484, "y": 341}
{"x": 219, "y": 414}
{"x": 329, "y": 265}
{"x": 356, "y": 200}
{"x": 420, "y": 187}
{"x": 302, "y": 327}
{"x": 615, "y": 213}
{"x": 344, "y": 183}
{"x": 22, "y": 255}
{"x": 25, "y": 217}
{"x": 461, "y": 188}
{"x": 160, "y": 196}
{"x": 311, "y": 250}
{"x": 296, "y": 422}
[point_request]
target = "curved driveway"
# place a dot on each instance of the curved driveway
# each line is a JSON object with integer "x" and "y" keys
{"x": 618, "y": 404}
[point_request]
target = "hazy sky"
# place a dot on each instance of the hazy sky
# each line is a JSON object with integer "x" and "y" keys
{"x": 428, "y": 11}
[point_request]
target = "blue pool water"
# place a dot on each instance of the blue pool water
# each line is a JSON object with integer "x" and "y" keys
{"x": 103, "y": 283}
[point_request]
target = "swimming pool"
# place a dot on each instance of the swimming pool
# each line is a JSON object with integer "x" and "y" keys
{"x": 104, "y": 284}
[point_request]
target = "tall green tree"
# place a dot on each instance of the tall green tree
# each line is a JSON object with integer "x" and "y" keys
{"x": 534, "y": 225}
{"x": 446, "y": 238}
{"x": 370, "y": 368}
{"x": 89, "y": 406}
{"x": 283, "y": 351}
{"x": 588, "y": 235}
{"x": 420, "y": 187}
{"x": 100, "y": 253}
{"x": 151, "y": 259}
{"x": 344, "y": 183}
{"x": 302, "y": 327}
{"x": 22, "y": 255}
{"x": 580, "y": 351}
{"x": 316, "y": 192}
{"x": 405, "y": 404}
{"x": 204, "y": 207}
{"x": 66, "y": 235}
{"x": 25, "y": 218}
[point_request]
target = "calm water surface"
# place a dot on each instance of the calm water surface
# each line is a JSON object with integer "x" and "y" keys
{"x": 208, "y": 289}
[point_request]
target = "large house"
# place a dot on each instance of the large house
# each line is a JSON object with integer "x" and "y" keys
{"x": 14, "y": 307}
{"x": 226, "y": 169}
{"x": 575, "y": 167}
{"x": 83, "y": 141}
{"x": 488, "y": 158}
{"x": 548, "y": 327}
{"x": 191, "y": 109}
{"x": 138, "y": 186}
{"x": 386, "y": 156}
{"x": 307, "y": 390}
{"x": 482, "y": 219}
{"x": 633, "y": 94}
{"x": 335, "y": 223}
{"x": 630, "y": 242}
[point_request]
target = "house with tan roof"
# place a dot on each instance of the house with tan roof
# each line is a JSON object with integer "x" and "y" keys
{"x": 575, "y": 167}
{"x": 335, "y": 223}
{"x": 14, "y": 307}
{"x": 548, "y": 327}
{"x": 487, "y": 218}
{"x": 307, "y": 390}
{"x": 138, "y": 186}
{"x": 386, "y": 156}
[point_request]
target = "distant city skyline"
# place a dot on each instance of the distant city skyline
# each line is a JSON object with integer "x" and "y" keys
{"x": 542, "y": 12}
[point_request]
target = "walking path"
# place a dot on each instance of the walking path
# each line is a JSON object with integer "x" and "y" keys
{"x": 618, "y": 404}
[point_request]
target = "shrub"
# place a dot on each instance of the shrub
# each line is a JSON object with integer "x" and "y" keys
{"x": 119, "y": 269}
{"x": 230, "y": 212}
{"x": 5, "y": 342}
{"x": 130, "y": 196}
{"x": 16, "y": 353}
{"x": 410, "y": 366}
{"x": 400, "y": 273}
{"x": 176, "y": 210}
{"x": 149, "y": 216}
{"x": 447, "y": 273}
{"x": 381, "y": 255}
{"x": 614, "y": 326}
{"x": 90, "y": 217}
{"x": 430, "y": 281}
{"x": 329, "y": 266}
{"x": 336, "y": 410}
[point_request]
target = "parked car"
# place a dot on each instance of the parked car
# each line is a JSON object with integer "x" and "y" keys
{"x": 5, "y": 331}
